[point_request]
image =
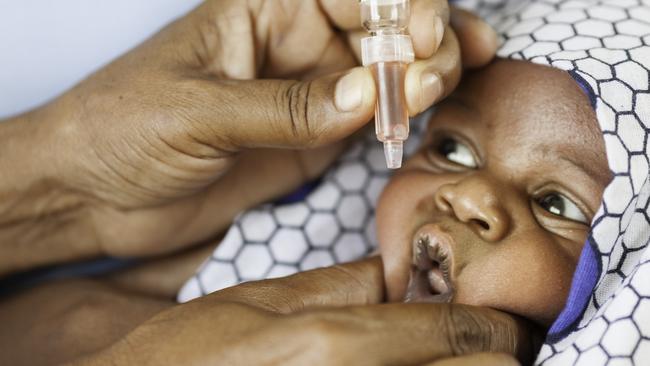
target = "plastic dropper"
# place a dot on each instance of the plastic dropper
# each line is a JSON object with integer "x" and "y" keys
{"x": 387, "y": 52}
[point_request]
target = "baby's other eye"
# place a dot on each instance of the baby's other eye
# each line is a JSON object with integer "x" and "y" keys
{"x": 457, "y": 152}
{"x": 559, "y": 205}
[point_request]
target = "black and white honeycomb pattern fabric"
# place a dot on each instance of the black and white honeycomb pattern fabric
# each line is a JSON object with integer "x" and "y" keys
{"x": 605, "y": 46}
{"x": 331, "y": 221}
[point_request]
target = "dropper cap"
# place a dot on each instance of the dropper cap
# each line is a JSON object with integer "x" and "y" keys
{"x": 393, "y": 153}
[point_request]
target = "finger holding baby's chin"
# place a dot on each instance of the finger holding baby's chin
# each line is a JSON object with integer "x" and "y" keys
{"x": 482, "y": 358}
{"x": 355, "y": 283}
{"x": 396, "y": 332}
{"x": 303, "y": 320}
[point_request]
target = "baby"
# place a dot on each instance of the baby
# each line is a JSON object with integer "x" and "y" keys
{"x": 493, "y": 209}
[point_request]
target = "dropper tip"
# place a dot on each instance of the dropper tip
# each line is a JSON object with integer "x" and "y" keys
{"x": 393, "y": 154}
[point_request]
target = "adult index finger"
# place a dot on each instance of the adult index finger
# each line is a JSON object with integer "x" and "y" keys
{"x": 482, "y": 358}
{"x": 429, "y": 18}
{"x": 418, "y": 333}
{"x": 344, "y": 14}
{"x": 426, "y": 23}
{"x": 429, "y": 80}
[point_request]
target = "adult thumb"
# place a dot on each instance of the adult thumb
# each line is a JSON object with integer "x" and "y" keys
{"x": 283, "y": 113}
{"x": 354, "y": 283}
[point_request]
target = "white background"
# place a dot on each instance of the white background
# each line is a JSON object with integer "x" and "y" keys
{"x": 47, "y": 46}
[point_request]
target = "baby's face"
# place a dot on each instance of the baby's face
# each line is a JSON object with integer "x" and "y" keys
{"x": 495, "y": 207}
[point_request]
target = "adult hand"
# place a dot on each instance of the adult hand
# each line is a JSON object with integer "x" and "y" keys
{"x": 481, "y": 358}
{"x": 161, "y": 148}
{"x": 329, "y": 316}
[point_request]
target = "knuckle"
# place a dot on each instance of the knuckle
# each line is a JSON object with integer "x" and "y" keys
{"x": 273, "y": 296}
{"x": 466, "y": 331}
{"x": 293, "y": 102}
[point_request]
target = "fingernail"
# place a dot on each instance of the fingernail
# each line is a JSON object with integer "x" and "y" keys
{"x": 431, "y": 89}
{"x": 348, "y": 94}
{"x": 439, "y": 27}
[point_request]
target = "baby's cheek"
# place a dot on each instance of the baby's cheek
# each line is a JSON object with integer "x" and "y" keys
{"x": 529, "y": 281}
{"x": 404, "y": 206}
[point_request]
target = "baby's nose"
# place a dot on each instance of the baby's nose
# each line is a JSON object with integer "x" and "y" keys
{"x": 474, "y": 201}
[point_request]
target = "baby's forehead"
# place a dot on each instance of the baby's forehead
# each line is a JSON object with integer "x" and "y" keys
{"x": 529, "y": 101}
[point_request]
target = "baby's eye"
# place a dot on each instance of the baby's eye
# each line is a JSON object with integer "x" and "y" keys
{"x": 457, "y": 152}
{"x": 558, "y": 204}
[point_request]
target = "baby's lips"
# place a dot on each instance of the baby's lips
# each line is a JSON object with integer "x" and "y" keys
{"x": 431, "y": 265}
{"x": 441, "y": 246}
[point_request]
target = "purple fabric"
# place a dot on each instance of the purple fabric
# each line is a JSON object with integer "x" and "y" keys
{"x": 584, "y": 280}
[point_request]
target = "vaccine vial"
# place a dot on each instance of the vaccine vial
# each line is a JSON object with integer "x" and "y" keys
{"x": 387, "y": 52}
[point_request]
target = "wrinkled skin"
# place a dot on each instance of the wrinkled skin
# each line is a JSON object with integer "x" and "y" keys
{"x": 330, "y": 316}
{"x": 160, "y": 149}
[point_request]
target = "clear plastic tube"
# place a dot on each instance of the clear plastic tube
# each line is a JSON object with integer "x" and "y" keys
{"x": 387, "y": 52}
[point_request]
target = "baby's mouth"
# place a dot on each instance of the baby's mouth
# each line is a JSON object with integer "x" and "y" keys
{"x": 430, "y": 267}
